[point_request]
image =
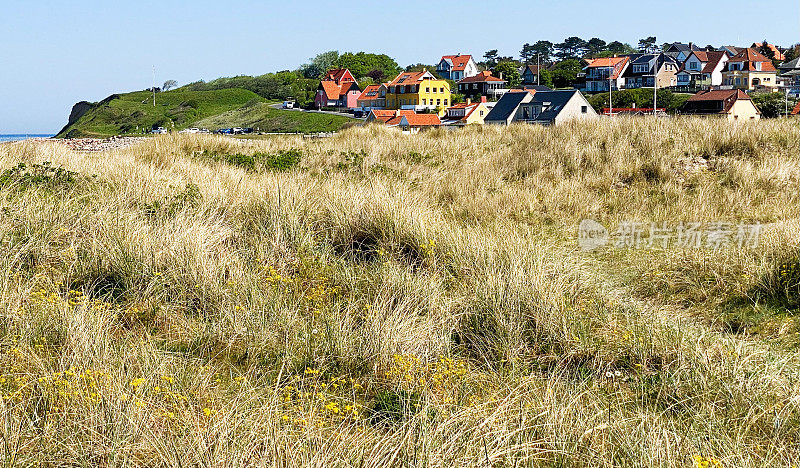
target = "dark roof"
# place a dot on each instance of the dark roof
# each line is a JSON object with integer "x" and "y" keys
{"x": 790, "y": 65}
{"x": 537, "y": 88}
{"x": 556, "y": 99}
{"x": 681, "y": 47}
{"x": 506, "y": 106}
{"x": 647, "y": 58}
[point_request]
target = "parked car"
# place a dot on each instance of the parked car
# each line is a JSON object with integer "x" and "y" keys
{"x": 237, "y": 130}
{"x": 224, "y": 131}
{"x": 159, "y": 131}
{"x": 247, "y": 130}
{"x": 190, "y": 130}
{"x": 288, "y": 104}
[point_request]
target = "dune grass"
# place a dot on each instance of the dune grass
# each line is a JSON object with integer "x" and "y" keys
{"x": 391, "y": 300}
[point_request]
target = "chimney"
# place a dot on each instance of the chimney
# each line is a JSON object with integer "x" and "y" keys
{"x": 469, "y": 101}
{"x": 501, "y": 75}
{"x": 483, "y": 99}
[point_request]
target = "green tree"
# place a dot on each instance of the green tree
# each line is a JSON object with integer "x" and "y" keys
{"x": 527, "y": 54}
{"x": 169, "y": 84}
{"x": 618, "y": 48}
{"x": 648, "y": 45}
{"x": 596, "y": 45}
{"x": 363, "y": 63}
{"x": 509, "y": 72}
{"x": 544, "y": 49}
{"x": 772, "y": 105}
{"x": 572, "y": 48}
{"x": 565, "y": 73}
{"x": 490, "y": 57}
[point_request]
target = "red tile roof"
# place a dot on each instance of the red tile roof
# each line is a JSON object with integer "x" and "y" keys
{"x": 749, "y": 56}
{"x": 712, "y": 60}
{"x": 422, "y": 120}
{"x": 366, "y": 94}
{"x": 408, "y": 78}
{"x": 778, "y": 54}
{"x": 387, "y": 116}
{"x": 617, "y": 62}
{"x": 337, "y": 74}
{"x": 482, "y": 77}
{"x": 459, "y": 61}
{"x": 796, "y": 110}
{"x": 331, "y": 89}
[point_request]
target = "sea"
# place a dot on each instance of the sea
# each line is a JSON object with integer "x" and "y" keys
{"x": 18, "y": 137}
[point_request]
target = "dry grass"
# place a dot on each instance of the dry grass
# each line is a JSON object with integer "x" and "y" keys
{"x": 401, "y": 301}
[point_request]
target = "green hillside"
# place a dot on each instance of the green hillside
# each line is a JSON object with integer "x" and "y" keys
{"x": 261, "y": 116}
{"x": 134, "y": 112}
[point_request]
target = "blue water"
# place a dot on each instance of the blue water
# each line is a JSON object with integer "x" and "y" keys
{"x": 21, "y": 137}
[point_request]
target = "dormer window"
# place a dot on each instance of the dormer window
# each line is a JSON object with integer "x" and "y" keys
{"x": 758, "y": 66}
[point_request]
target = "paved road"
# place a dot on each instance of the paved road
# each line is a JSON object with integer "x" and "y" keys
{"x": 279, "y": 106}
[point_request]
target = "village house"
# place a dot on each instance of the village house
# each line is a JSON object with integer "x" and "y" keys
{"x": 790, "y": 72}
{"x": 702, "y": 70}
{"x": 466, "y": 113}
{"x": 602, "y": 72}
{"x": 338, "y": 88}
{"x": 531, "y": 74}
{"x": 680, "y": 51}
{"x": 482, "y": 84}
{"x": 418, "y": 91}
{"x": 385, "y": 116}
{"x": 730, "y": 50}
{"x": 456, "y": 67}
{"x": 775, "y": 50}
{"x": 373, "y": 97}
{"x": 646, "y": 69}
{"x": 733, "y": 104}
{"x": 750, "y": 70}
{"x": 413, "y": 122}
{"x": 543, "y": 108}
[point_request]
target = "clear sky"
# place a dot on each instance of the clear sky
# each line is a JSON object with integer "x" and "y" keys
{"x": 54, "y": 53}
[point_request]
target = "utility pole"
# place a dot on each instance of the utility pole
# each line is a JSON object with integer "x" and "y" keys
{"x": 154, "y": 85}
{"x": 538, "y": 66}
{"x": 655, "y": 86}
{"x": 610, "y": 103}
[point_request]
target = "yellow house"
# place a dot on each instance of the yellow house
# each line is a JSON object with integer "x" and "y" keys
{"x": 750, "y": 70}
{"x": 466, "y": 114}
{"x": 418, "y": 91}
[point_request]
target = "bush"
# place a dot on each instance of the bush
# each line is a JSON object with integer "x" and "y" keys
{"x": 38, "y": 175}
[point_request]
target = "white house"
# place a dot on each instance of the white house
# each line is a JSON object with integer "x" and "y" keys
{"x": 456, "y": 67}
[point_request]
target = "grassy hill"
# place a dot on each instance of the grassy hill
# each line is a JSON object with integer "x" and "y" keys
{"x": 134, "y": 113}
{"x": 261, "y": 115}
{"x": 375, "y": 299}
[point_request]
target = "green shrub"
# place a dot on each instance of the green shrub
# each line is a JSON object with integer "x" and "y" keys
{"x": 283, "y": 160}
{"x": 38, "y": 175}
{"x": 392, "y": 407}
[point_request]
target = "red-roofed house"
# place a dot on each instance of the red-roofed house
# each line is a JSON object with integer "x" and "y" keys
{"x": 778, "y": 54}
{"x": 750, "y": 70}
{"x": 599, "y": 70}
{"x": 702, "y": 69}
{"x": 733, "y": 104}
{"x": 482, "y": 84}
{"x": 796, "y": 110}
{"x": 456, "y": 67}
{"x": 373, "y": 97}
{"x": 466, "y": 113}
{"x": 387, "y": 115}
{"x": 337, "y": 89}
{"x": 413, "y": 123}
{"x": 418, "y": 91}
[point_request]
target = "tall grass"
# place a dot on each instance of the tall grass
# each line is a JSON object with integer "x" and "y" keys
{"x": 401, "y": 300}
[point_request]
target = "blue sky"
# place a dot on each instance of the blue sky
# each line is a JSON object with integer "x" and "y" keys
{"x": 55, "y": 53}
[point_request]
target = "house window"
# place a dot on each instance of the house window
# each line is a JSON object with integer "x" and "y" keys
{"x": 434, "y": 90}
{"x": 441, "y": 90}
{"x": 481, "y": 113}
{"x": 445, "y": 102}
{"x": 584, "y": 109}
{"x": 423, "y": 102}
{"x": 438, "y": 102}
